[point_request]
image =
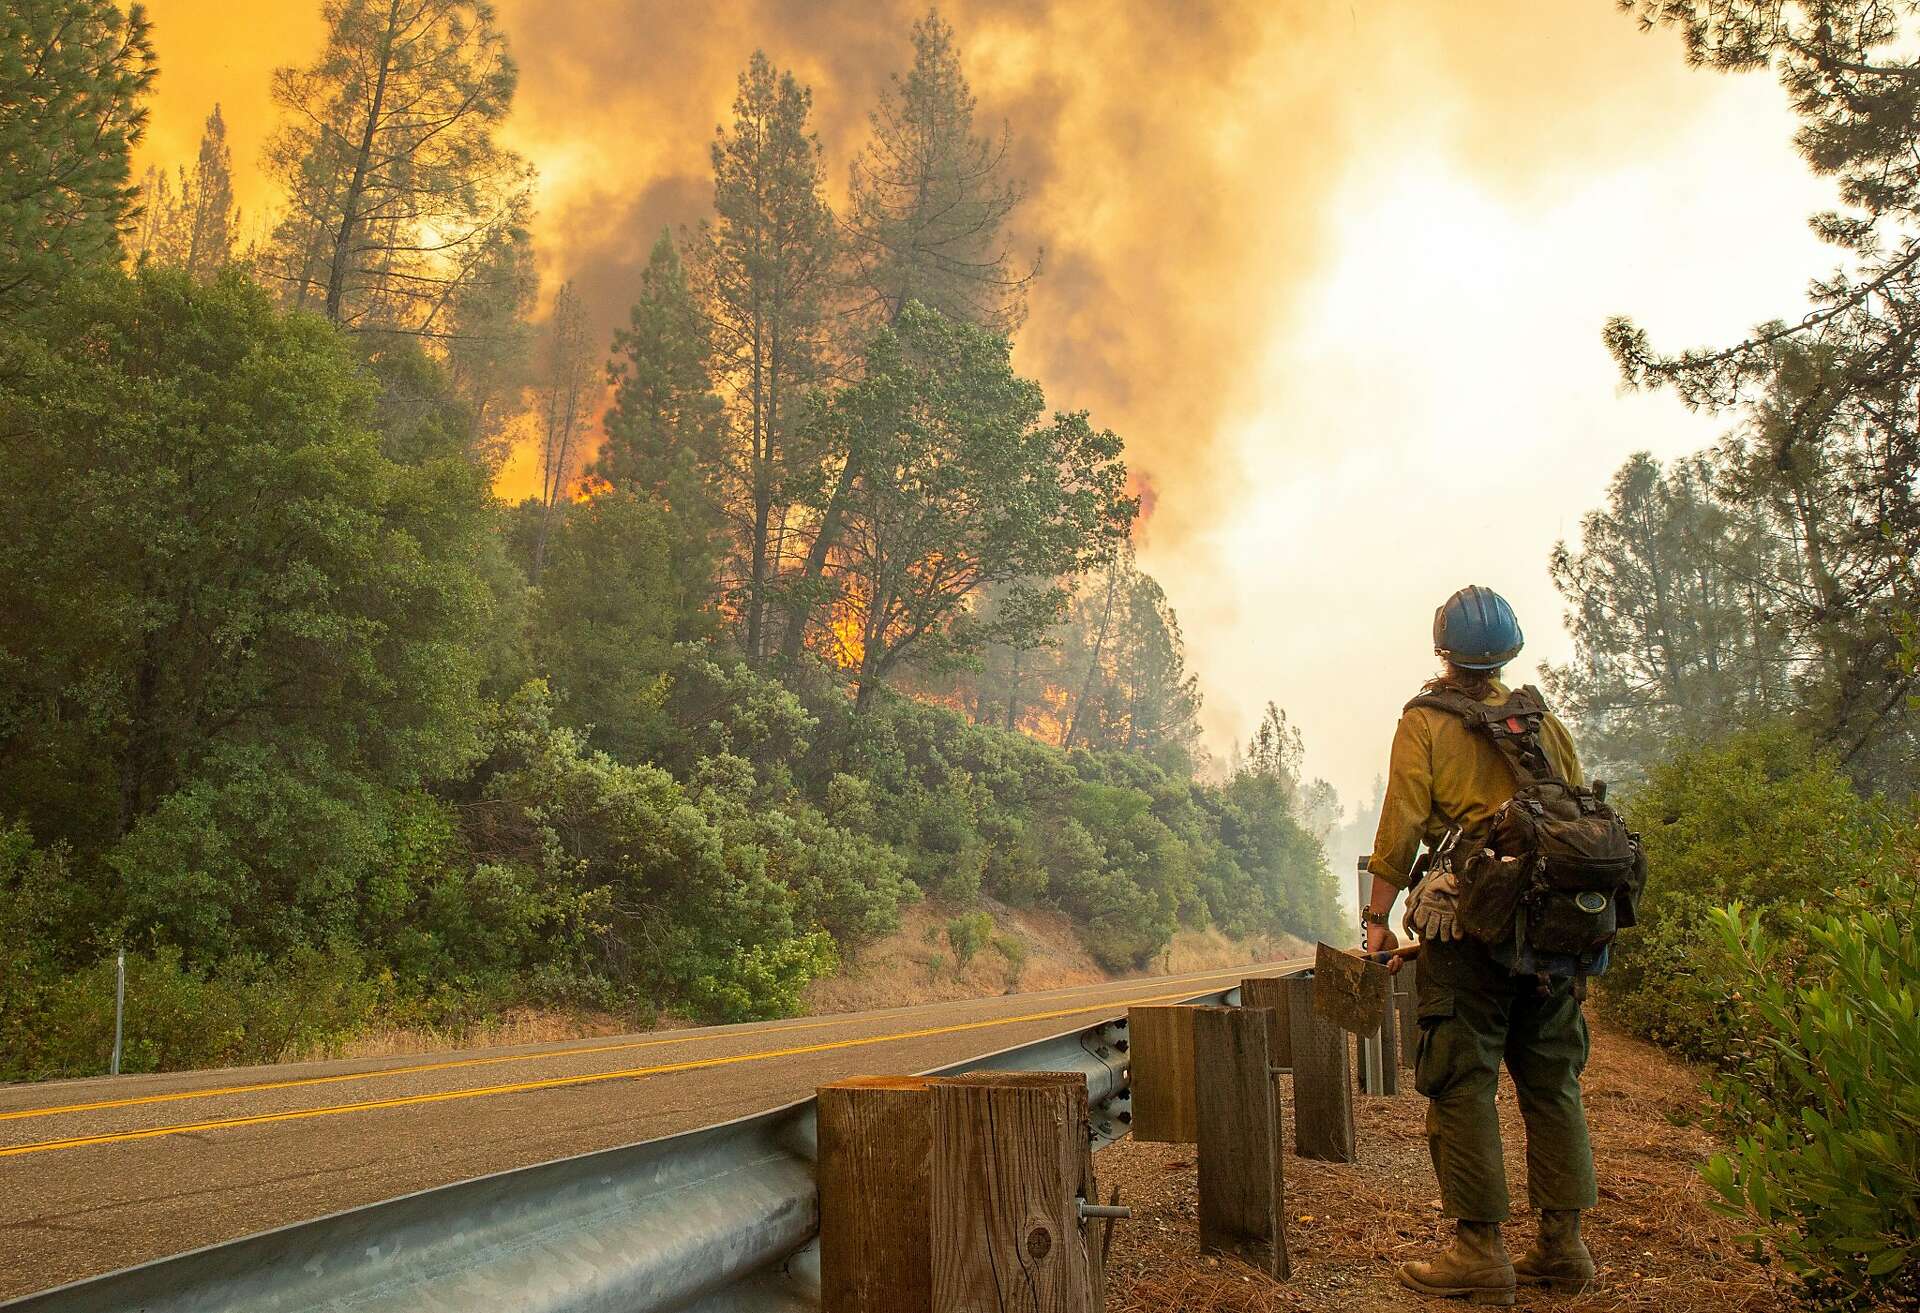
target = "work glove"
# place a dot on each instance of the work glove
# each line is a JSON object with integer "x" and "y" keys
{"x": 1434, "y": 912}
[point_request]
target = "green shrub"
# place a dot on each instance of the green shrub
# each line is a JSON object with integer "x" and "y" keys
{"x": 1820, "y": 1094}
{"x": 1761, "y": 817}
{"x": 245, "y": 1011}
{"x": 967, "y": 935}
{"x": 1011, "y": 949}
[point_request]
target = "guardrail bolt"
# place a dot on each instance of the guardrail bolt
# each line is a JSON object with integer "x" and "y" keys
{"x": 1119, "y": 1212}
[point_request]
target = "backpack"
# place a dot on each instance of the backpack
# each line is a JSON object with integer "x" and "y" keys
{"x": 1557, "y": 873}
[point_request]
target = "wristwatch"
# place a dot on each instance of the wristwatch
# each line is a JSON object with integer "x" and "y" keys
{"x": 1370, "y": 917}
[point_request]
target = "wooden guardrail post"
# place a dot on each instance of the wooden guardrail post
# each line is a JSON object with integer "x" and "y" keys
{"x": 1387, "y": 1049}
{"x": 1322, "y": 1085}
{"x": 1011, "y": 1161}
{"x": 1269, "y": 994}
{"x": 1160, "y": 1056}
{"x": 1405, "y": 984}
{"x": 1242, "y": 1194}
{"x": 957, "y": 1194}
{"x": 876, "y": 1140}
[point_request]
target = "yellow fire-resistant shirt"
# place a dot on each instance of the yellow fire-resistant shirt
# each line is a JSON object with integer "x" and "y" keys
{"x": 1444, "y": 774}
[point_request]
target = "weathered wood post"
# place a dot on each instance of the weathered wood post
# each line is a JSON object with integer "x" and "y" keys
{"x": 876, "y": 1140}
{"x": 1405, "y": 985}
{"x": 1380, "y": 1055}
{"x": 1242, "y": 1194}
{"x": 1322, "y": 1085}
{"x": 1269, "y": 993}
{"x": 1160, "y": 1054}
{"x": 1011, "y": 1164}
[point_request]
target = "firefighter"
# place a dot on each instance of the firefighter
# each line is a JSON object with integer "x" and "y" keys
{"x": 1474, "y": 1011}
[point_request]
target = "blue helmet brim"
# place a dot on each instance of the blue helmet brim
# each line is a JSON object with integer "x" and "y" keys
{"x": 1480, "y": 660}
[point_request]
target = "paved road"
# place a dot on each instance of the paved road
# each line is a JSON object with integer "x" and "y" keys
{"x": 99, "y": 1174}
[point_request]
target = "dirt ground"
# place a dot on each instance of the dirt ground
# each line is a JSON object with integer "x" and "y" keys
{"x": 1657, "y": 1245}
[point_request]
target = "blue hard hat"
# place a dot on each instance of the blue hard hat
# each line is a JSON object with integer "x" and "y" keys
{"x": 1476, "y": 629}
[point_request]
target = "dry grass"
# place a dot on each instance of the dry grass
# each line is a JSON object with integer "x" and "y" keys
{"x": 1349, "y": 1226}
{"x": 513, "y": 1027}
{"x": 915, "y": 964}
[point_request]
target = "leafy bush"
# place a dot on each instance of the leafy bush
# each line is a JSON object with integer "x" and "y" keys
{"x": 1760, "y": 817}
{"x": 1820, "y": 1094}
{"x": 967, "y": 935}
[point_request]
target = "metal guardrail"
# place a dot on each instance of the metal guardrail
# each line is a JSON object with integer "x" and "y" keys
{"x": 720, "y": 1218}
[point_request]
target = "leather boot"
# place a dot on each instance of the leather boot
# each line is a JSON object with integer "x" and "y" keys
{"x": 1475, "y": 1269}
{"x": 1558, "y": 1258}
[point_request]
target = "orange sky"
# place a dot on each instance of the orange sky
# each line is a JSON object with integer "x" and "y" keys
{"x": 1330, "y": 268}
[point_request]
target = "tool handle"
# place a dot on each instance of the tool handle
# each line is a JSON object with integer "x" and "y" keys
{"x": 1387, "y": 958}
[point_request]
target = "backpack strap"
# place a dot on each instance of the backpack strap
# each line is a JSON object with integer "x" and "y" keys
{"x": 1513, "y": 727}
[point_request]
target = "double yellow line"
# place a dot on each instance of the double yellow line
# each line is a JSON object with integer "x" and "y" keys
{"x": 518, "y": 1087}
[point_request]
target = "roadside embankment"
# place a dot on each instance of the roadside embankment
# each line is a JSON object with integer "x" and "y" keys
{"x": 1658, "y": 1245}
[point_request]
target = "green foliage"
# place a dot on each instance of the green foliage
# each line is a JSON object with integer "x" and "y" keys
{"x": 1826, "y": 461}
{"x": 235, "y": 588}
{"x": 1761, "y": 817}
{"x": 325, "y": 737}
{"x": 929, "y": 198}
{"x": 959, "y": 484}
{"x": 1820, "y": 1096}
{"x": 239, "y": 623}
{"x": 1129, "y": 851}
{"x": 719, "y": 895}
{"x": 967, "y": 935}
{"x": 609, "y": 605}
{"x": 71, "y": 76}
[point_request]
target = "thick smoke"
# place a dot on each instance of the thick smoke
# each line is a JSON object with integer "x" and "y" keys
{"x": 1195, "y": 170}
{"x": 1163, "y": 153}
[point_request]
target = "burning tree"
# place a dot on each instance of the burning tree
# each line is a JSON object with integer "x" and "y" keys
{"x": 961, "y": 485}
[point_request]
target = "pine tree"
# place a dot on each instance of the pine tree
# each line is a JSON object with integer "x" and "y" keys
{"x": 212, "y": 220}
{"x": 765, "y": 270}
{"x": 665, "y": 419}
{"x": 929, "y": 199}
{"x": 928, "y": 202}
{"x": 1673, "y": 600}
{"x": 490, "y": 339}
{"x": 564, "y": 400}
{"x": 190, "y": 223}
{"x": 1833, "y": 439}
{"x": 156, "y": 236}
{"x": 72, "y": 73}
{"x": 388, "y": 156}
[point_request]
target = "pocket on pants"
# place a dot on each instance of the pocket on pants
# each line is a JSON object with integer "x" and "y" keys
{"x": 1434, "y": 1009}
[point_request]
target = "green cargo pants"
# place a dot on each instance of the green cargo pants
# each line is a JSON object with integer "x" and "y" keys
{"x": 1473, "y": 1014}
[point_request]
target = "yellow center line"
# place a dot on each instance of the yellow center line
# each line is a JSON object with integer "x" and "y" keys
{"x": 562, "y": 1082}
{"x": 300, "y": 1082}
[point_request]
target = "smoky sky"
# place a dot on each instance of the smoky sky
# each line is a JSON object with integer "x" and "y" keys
{"x": 1135, "y": 131}
{"x": 1311, "y": 259}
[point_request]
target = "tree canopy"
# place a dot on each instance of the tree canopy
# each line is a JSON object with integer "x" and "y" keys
{"x": 72, "y": 73}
